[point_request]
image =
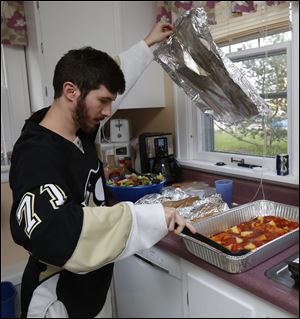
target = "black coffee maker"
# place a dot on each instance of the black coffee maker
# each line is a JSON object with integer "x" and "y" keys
{"x": 157, "y": 156}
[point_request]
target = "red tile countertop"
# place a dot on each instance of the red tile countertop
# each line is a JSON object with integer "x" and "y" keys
{"x": 252, "y": 280}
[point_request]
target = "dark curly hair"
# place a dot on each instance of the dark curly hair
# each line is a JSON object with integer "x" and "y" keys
{"x": 88, "y": 68}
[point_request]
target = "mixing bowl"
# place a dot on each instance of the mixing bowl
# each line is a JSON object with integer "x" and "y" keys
{"x": 133, "y": 193}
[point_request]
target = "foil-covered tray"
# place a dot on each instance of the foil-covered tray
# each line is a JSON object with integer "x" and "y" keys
{"x": 214, "y": 83}
{"x": 235, "y": 216}
{"x": 192, "y": 203}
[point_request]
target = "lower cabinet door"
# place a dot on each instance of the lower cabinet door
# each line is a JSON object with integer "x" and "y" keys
{"x": 209, "y": 296}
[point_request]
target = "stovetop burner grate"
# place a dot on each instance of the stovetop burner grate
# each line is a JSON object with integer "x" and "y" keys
{"x": 286, "y": 272}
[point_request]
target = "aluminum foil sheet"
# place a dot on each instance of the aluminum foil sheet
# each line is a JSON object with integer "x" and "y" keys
{"x": 190, "y": 206}
{"x": 208, "y": 77}
{"x": 201, "y": 190}
{"x": 204, "y": 208}
{"x": 235, "y": 216}
{"x": 167, "y": 194}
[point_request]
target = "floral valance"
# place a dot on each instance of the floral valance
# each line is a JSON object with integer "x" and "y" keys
{"x": 13, "y": 23}
{"x": 215, "y": 10}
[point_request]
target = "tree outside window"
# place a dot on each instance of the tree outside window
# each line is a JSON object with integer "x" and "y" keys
{"x": 261, "y": 135}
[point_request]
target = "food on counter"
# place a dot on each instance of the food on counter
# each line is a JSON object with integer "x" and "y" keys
{"x": 197, "y": 209}
{"x": 185, "y": 202}
{"x": 194, "y": 208}
{"x": 190, "y": 207}
{"x": 205, "y": 210}
{"x": 194, "y": 184}
{"x": 136, "y": 180}
{"x": 254, "y": 233}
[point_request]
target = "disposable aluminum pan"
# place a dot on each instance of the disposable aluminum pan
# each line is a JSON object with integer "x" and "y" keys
{"x": 235, "y": 216}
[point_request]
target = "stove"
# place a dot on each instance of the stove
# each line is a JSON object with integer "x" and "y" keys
{"x": 286, "y": 272}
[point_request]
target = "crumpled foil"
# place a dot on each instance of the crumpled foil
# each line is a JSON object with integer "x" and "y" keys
{"x": 167, "y": 194}
{"x": 201, "y": 208}
{"x": 208, "y": 77}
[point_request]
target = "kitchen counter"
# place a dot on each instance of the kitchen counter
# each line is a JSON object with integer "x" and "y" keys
{"x": 253, "y": 280}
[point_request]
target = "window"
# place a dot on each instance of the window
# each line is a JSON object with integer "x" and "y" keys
{"x": 15, "y": 106}
{"x": 270, "y": 65}
{"x": 266, "y": 69}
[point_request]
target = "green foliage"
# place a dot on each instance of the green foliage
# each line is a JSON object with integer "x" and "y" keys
{"x": 249, "y": 145}
{"x": 268, "y": 135}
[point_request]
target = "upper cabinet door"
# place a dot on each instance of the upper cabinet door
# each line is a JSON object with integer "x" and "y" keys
{"x": 55, "y": 27}
{"x": 137, "y": 18}
{"x": 59, "y": 26}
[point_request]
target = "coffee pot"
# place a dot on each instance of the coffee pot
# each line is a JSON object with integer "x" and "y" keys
{"x": 168, "y": 167}
{"x": 157, "y": 156}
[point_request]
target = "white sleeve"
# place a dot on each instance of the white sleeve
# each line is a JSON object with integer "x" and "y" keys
{"x": 133, "y": 63}
{"x": 148, "y": 227}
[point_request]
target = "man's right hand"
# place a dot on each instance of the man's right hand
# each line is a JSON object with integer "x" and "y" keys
{"x": 172, "y": 218}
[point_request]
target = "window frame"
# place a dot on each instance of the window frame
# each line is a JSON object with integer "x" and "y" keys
{"x": 188, "y": 145}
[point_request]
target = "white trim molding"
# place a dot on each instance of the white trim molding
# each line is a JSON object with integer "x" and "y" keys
{"x": 189, "y": 151}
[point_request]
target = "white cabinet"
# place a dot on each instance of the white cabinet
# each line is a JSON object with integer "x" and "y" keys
{"x": 157, "y": 283}
{"x": 209, "y": 296}
{"x": 136, "y": 20}
{"x": 55, "y": 27}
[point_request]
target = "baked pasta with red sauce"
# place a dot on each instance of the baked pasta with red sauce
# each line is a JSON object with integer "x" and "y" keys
{"x": 254, "y": 233}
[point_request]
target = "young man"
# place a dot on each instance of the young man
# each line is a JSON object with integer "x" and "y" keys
{"x": 59, "y": 214}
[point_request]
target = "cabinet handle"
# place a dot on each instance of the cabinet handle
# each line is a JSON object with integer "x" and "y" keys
{"x": 151, "y": 263}
{"x": 187, "y": 298}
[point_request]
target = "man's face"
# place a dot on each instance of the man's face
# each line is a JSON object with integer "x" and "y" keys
{"x": 93, "y": 109}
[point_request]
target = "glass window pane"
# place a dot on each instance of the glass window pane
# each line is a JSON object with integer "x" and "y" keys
{"x": 276, "y": 38}
{"x": 268, "y": 74}
{"x": 226, "y": 49}
{"x": 244, "y": 45}
{"x": 258, "y": 136}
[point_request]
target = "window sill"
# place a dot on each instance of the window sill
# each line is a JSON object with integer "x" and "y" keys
{"x": 4, "y": 173}
{"x": 247, "y": 173}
